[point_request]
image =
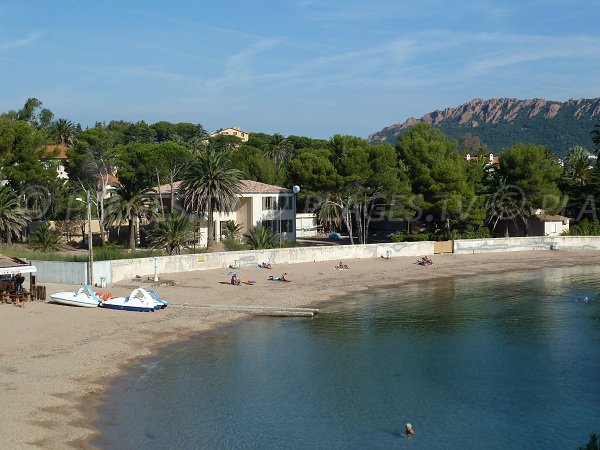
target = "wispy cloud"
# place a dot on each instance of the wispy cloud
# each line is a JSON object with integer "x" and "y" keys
{"x": 239, "y": 68}
{"x": 22, "y": 42}
{"x": 427, "y": 58}
{"x": 148, "y": 73}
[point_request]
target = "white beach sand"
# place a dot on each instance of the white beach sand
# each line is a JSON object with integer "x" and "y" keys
{"x": 56, "y": 361}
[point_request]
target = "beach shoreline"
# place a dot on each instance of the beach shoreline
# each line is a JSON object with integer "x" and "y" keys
{"x": 59, "y": 361}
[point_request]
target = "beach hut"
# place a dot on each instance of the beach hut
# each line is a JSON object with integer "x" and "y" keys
{"x": 11, "y": 271}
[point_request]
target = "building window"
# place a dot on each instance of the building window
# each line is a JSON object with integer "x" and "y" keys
{"x": 287, "y": 226}
{"x": 269, "y": 203}
{"x": 285, "y": 203}
{"x": 271, "y": 224}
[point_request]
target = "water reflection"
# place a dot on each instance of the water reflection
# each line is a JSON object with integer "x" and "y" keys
{"x": 526, "y": 303}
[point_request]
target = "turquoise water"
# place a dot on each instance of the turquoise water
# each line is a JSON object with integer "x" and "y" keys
{"x": 505, "y": 361}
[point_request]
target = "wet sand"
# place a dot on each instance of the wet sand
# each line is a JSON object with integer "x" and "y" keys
{"x": 57, "y": 361}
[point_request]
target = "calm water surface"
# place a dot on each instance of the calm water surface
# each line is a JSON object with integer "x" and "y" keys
{"x": 501, "y": 361}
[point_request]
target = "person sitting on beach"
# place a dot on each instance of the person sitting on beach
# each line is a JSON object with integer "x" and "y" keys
{"x": 341, "y": 266}
{"x": 409, "y": 430}
{"x": 284, "y": 277}
{"x": 235, "y": 281}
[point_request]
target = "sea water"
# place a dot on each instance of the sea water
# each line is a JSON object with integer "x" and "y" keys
{"x": 502, "y": 361}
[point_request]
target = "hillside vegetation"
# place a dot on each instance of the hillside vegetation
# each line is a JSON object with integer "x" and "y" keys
{"x": 502, "y": 123}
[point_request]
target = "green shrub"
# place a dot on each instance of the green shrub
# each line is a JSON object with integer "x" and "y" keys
{"x": 231, "y": 244}
{"x": 101, "y": 253}
{"x": 481, "y": 233}
{"x": 232, "y": 229}
{"x": 583, "y": 228}
{"x": 44, "y": 239}
{"x": 111, "y": 251}
{"x": 416, "y": 237}
{"x": 261, "y": 238}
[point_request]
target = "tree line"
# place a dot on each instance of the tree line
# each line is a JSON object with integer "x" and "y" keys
{"x": 422, "y": 181}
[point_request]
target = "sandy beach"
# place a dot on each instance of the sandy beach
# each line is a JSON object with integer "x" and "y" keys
{"x": 57, "y": 361}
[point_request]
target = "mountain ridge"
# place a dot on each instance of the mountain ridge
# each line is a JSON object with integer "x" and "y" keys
{"x": 503, "y": 122}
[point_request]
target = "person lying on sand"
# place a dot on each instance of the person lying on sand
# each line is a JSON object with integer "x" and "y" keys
{"x": 281, "y": 278}
{"x": 264, "y": 265}
{"x": 341, "y": 266}
{"x": 424, "y": 261}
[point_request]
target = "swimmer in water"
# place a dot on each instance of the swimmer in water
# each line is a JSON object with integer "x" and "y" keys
{"x": 409, "y": 430}
{"x": 585, "y": 300}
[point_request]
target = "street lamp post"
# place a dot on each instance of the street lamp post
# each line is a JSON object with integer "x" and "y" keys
{"x": 295, "y": 190}
{"x": 279, "y": 218}
{"x": 87, "y": 200}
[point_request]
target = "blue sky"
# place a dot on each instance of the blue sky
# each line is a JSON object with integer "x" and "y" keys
{"x": 301, "y": 67}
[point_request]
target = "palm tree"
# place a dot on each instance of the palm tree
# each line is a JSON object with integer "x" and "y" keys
{"x": 278, "y": 150}
{"x": 260, "y": 238}
{"x": 329, "y": 215}
{"x": 577, "y": 164}
{"x": 172, "y": 233}
{"x": 13, "y": 217}
{"x": 44, "y": 239}
{"x": 232, "y": 229}
{"x": 196, "y": 145}
{"x": 504, "y": 202}
{"x": 210, "y": 184}
{"x": 130, "y": 204}
{"x": 65, "y": 132}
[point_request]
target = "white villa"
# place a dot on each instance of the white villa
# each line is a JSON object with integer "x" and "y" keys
{"x": 259, "y": 205}
{"x": 542, "y": 224}
{"x": 59, "y": 159}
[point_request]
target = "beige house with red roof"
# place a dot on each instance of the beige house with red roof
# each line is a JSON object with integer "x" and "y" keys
{"x": 59, "y": 155}
{"x": 232, "y": 131}
{"x": 259, "y": 205}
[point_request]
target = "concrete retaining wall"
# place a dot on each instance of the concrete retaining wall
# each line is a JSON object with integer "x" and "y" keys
{"x": 60, "y": 272}
{"x": 127, "y": 269}
{"x": 519, "y": 244}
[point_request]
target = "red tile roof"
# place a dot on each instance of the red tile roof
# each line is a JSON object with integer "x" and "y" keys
{"x": 248, "y": 187}
{"x": 111, "y": 180}
{"x": 62, "y": 151}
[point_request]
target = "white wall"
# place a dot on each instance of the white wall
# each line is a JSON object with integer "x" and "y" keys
{"x": 518, "y": 244}
{"x": 306, "y": 224}
{"x": 127, "y": 269}
{"x": 555, "y": 228}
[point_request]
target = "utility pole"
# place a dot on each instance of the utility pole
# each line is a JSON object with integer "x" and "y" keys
{"x": 90, "y": 243}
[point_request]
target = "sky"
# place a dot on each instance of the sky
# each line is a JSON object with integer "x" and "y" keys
{"x": 311, "y": 68}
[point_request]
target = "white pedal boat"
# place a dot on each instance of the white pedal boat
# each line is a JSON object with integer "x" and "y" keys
{"x": 138, "y": 300}
{"x": 84, "y": 296}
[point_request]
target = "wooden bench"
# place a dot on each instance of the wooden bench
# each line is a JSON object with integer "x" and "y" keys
{"x": 5, "y": 297}
{"x": 21, "y": 298}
